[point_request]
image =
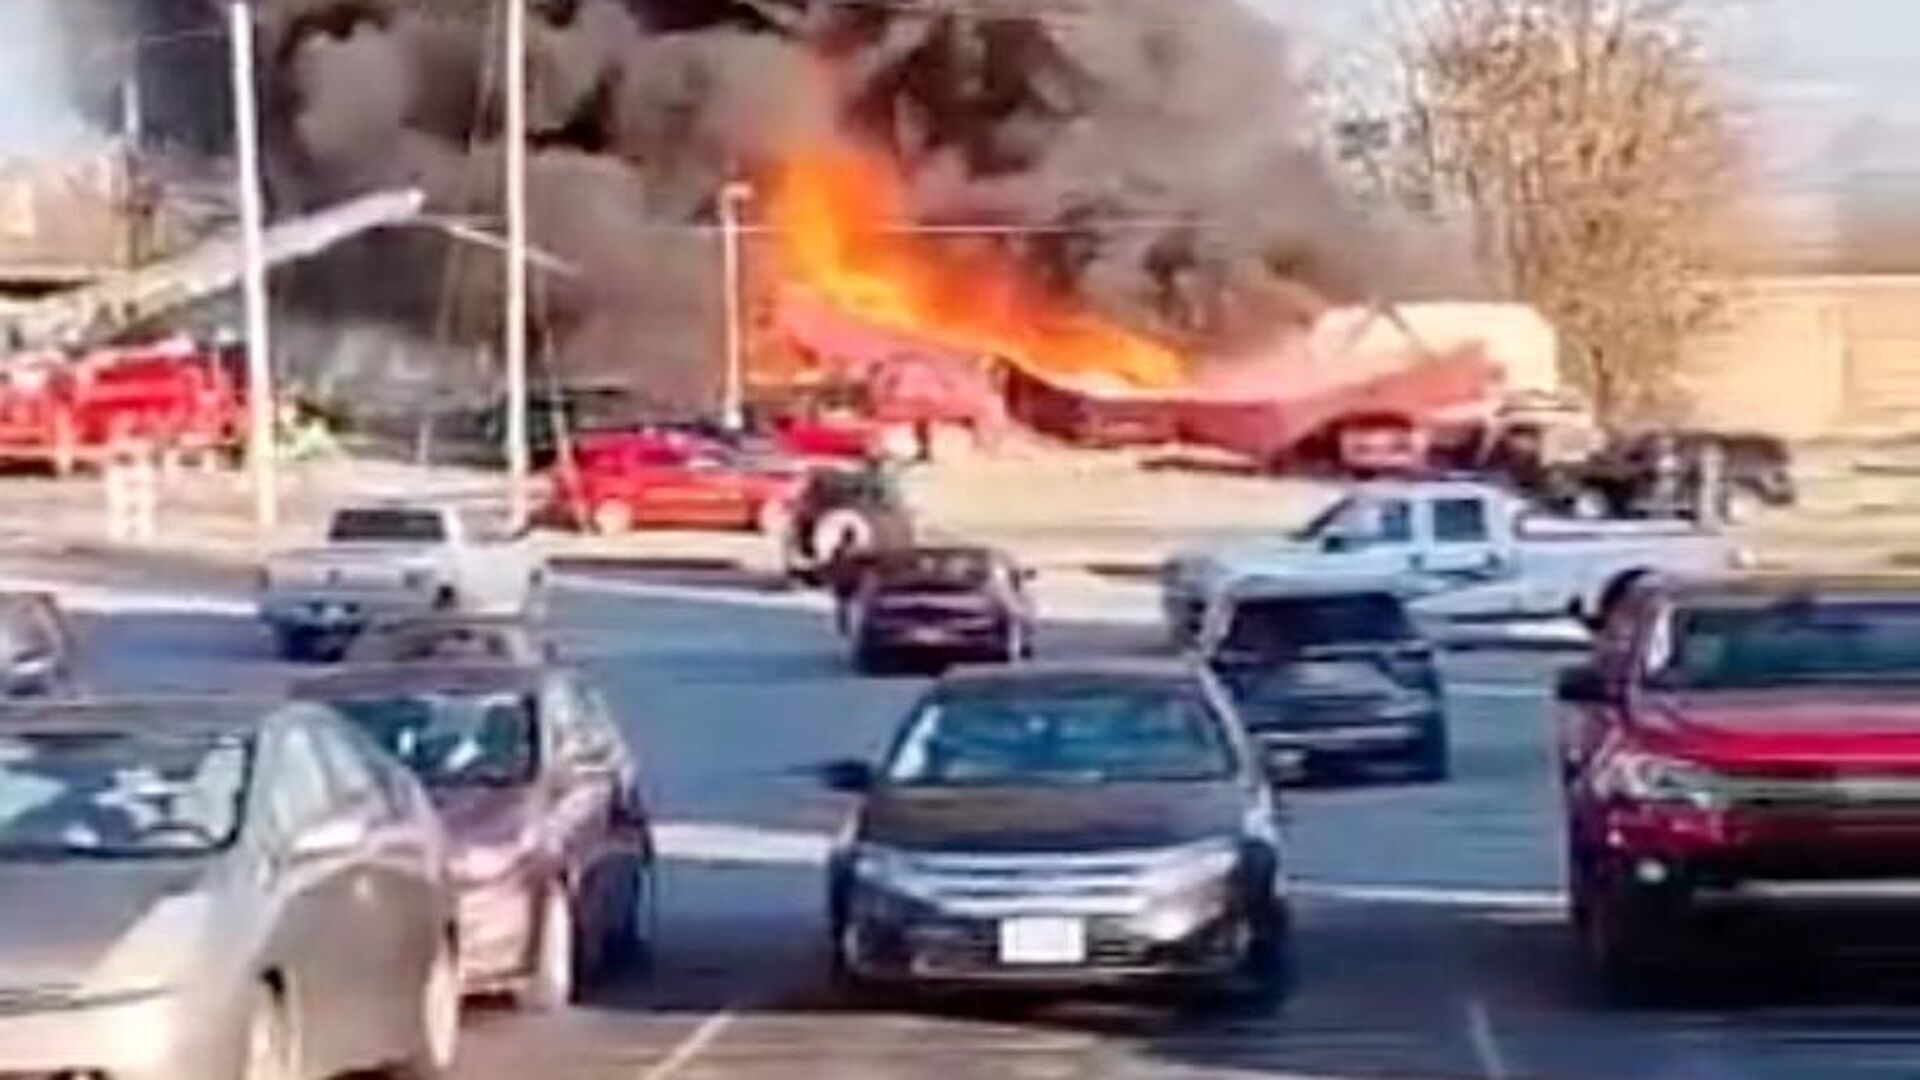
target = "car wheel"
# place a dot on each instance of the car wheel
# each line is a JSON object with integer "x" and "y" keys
{"x": 440, "y": 1001}
{"x": 1630, "y": 935}
{"x": 272, "y": 1044}
{"x": 872, "y": 660}
{"x": 1266, "y": 969}
{"x": 1016, "y": 648}
{"x": 553, "y": 981}
{"x": 613, "y": 517}
{"x": 774, "y": 519}
{"x": 841, "y": 969}
{"x": 1744, "y": 505}
{"x": 293, "y": 645}
{"x": 630, "y": 940}
{"x": 1433, "y": 761}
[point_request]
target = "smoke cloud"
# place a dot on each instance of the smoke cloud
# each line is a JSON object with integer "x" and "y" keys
{"x": 1140, "y": 155}
{"x": 39, "y": 99}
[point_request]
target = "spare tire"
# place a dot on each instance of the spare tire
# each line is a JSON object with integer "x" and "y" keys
{"x": 841, "y": 527}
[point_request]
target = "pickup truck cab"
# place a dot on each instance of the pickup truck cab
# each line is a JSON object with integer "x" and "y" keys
{"x": 1456, "y": 549}
{"x": 384, "y": 560}
{"x": 1748, "y": 745}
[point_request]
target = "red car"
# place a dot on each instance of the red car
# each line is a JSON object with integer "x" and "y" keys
{"x": 63, "y": 410}
{"x": 619, "y": 482}
{"x": 1741, "y": 748}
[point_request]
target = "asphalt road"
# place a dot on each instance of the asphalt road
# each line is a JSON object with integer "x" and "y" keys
{"x": 1430, "y": 941}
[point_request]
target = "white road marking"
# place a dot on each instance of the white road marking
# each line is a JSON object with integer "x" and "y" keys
{"x": 1486, "y": 1045}
{"x": 106, "y": 600}
{"x": 695, "y": 1044}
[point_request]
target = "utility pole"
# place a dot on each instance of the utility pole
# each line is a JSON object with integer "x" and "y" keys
{"x": 262, "y": 450}
{"x": 519, "y": 460}
{"x": 732, "y": 405}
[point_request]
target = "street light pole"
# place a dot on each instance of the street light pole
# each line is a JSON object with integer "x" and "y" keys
{"x": 732, "y": 405}
{"x": 262, "y": 451}
{"x": 519, "y": 458}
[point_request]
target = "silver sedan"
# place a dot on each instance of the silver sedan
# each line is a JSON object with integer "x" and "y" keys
{"x": 216, "y": 890}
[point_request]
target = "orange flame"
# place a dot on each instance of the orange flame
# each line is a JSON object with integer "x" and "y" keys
{"x": 837, "y": 213}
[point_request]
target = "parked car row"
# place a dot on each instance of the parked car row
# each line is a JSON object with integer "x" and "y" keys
{"x": 237, "y": 889}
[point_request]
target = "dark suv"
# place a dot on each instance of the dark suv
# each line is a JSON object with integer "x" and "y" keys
{"x": 1330, "y": 681}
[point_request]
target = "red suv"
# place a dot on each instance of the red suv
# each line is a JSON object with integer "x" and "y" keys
{"x": 1739, "y": 747}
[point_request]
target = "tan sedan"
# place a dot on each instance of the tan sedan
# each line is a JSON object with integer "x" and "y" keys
{"x": 217, "y": 890}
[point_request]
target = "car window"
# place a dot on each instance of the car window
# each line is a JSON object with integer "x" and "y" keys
{"x": 1795, "y": 642}
{"x": 1460, "y": 521}
{"x": 1074, "y": 736}
{"x": 352, "y": 776}
{"x": 297, "y": 789}
{"x": 111, "y": 795}
{"x": 575, "y": 735}
{"x": 380, "y": 525}
{"x": 1269, "y": 627}
{"x": 487, "y": 739}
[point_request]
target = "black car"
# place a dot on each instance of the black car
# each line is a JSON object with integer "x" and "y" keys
{"x": 1060, "y": 826}
{"x": 939, "y": 604}
{"x": 1658, "y": 474}
{"x": 1331, "y": 682}
{"x": 36, "y": 646}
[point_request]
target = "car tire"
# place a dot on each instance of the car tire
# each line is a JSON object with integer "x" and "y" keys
{"x": 440, "y": 1004}
{"x": 270, "y": 1043}
{"x": 847, "y": 981}
{"x": 1433, "y": 761}
{"x": 1630, "y": 936}
{"x": 613, "y": 517}
{"x": 554, "y": 980}
{"x": 873, "y": 660}
{"x": 773, "y": 519}
{"x": 631, "y": 938}
{"x": 1265, "y": 972}
{"x": 1744, "y": 505}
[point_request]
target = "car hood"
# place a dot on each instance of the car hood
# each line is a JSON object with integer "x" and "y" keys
{"x": 1012, "y": 820}
{"x": 486, "y": 815}
{"x": 59, "y": 920}
{"x": 1820, "y": 728}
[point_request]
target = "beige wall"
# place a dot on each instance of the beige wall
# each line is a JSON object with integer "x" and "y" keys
{"x": 1813, "y": 356}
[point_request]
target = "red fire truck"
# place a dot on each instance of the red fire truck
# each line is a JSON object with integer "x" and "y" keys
{"x": 65, "y": 410}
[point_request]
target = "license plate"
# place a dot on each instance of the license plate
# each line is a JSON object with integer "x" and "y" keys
{"x": 1043, "y": 941}
{"x": 928, "y": 635}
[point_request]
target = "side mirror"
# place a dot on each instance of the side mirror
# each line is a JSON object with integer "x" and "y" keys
{"x": 847, "y": 777}
{"x": 1582, "y": 685}
{"x": 330, "y": 838}
{"x": 1336, "y": 543}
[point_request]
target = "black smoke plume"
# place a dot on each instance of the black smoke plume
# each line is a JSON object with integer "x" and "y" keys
{"x": 1145, "y": 156}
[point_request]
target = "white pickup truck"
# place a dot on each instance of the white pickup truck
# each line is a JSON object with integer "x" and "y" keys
{"x": 1458, "y": 549}
{"x": 388, "y": 559}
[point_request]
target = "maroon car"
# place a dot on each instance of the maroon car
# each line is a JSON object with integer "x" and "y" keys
{"x": 1741, "y": 749}
{"x": 553, "y": 854}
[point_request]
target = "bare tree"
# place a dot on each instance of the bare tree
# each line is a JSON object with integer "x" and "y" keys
{"x": 1590, "y": 151}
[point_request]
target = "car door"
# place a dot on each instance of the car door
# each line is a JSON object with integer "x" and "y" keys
{"x": 1464, "y": 571}
{"x": 318, "y": 941}
{"x": 396, "y": 897}
{"x": 585, "y": 772}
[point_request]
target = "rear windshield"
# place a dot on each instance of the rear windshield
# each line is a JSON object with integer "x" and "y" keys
{"x": 1802, "y": 643}
{"x": 388, "y": 526}
{"x": 1288, "y": 625}
{"x": 933, "y": 571}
